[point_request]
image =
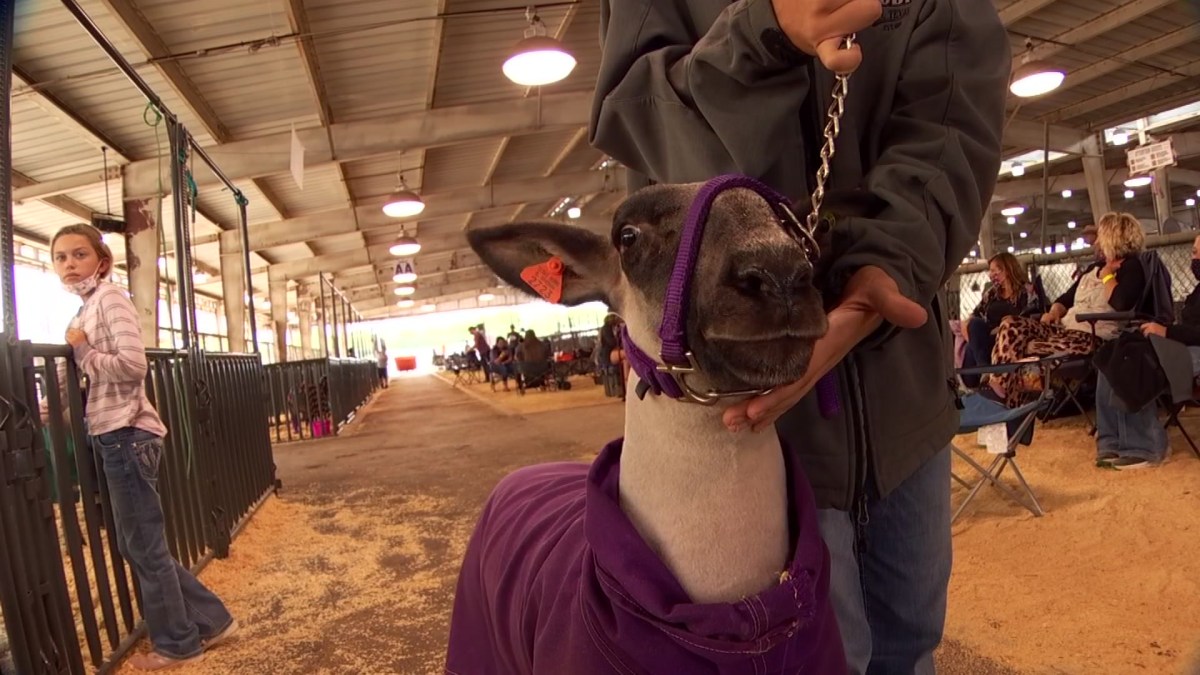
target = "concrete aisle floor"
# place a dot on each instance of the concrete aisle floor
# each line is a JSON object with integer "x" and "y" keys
{"x": 390, "y": 501}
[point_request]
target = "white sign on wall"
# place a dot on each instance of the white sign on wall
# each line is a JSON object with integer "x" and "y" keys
{"x": 1146, "y": 158}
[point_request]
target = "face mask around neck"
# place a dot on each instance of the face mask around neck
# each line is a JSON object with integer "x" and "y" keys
{"x": 83, "y": 286}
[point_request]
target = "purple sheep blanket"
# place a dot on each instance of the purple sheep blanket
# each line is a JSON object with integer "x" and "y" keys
{"x": 557, "y": 581}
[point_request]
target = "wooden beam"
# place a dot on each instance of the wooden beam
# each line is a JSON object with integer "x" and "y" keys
{"x": 156, "y": 51}
{"x": 1110, "y": 20}
{"x": 1133, "y": 91}
{"x": 1173, "y": 40}
{"x": 63, "y": 113}
{"x": 1015, "y": 11}
{"x": 61, "y": 202}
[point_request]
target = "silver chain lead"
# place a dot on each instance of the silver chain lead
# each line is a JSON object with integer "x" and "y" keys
{"x": 833, "y": 125}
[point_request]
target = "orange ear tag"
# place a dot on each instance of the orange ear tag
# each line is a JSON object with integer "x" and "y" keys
{"x": 546, "y": 279}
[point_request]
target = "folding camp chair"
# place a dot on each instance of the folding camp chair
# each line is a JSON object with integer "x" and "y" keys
{"x": 979, "y": 411}
{"x": 1176, "y": 363}
{"x": 1156, "y": 304}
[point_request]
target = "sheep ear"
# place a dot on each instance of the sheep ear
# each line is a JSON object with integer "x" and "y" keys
{"x": 521, "y": 253}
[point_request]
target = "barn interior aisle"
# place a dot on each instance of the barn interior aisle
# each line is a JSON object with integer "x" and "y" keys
{"x": 352, "y": 567}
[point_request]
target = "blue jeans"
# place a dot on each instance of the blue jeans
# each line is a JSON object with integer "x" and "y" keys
{"x": 979, "y": 349}
{"x": 888, "y": 587}
{"x": 1135, "y": 434}
{"x": 178, "y": 609}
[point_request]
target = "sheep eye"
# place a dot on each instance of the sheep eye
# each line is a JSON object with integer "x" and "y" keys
{"x": 628, "y": 236}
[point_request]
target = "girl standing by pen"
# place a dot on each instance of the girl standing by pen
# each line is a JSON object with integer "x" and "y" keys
{"x": 183, "y": 617}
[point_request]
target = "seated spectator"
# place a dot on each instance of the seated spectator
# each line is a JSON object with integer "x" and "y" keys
{"x": 1010, "y": 294}
{"x": 502, "y": 363}
{"x": 1136, "y": 439}
{"x": 1118, "y": 285}
{"x": 532, "y": 350}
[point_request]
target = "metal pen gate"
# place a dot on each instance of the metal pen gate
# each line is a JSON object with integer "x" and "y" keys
{"x": 64, "y": 587}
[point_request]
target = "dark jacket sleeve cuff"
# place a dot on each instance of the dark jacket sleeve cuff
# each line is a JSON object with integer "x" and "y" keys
{"x": 764, "y": 27}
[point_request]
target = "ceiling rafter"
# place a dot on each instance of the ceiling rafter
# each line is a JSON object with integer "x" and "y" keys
{"x": 155, "y": 50}
{"x": 298, "y": 19}
{"x": 1096, "y": 27}
{"x": 1130, "y": 91}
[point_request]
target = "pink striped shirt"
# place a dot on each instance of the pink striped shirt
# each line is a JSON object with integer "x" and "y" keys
{"x": 114, "y": 360}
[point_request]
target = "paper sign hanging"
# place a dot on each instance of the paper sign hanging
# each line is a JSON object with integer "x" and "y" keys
{"x": 546, "y": 279}
{"x": 405, "y": 267}
{"x": 297, "y": 159}
{"x": 1146, "y": 158}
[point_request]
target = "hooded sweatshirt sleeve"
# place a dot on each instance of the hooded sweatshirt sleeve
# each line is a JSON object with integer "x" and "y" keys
{"x": 671, "y": 103}
{"x": 941, "y": 151}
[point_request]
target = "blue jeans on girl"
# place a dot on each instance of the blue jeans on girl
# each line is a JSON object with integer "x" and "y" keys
{"x": 179, "y": 611}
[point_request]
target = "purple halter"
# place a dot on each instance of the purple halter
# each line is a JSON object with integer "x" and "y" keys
{"x": 669, "y": 378}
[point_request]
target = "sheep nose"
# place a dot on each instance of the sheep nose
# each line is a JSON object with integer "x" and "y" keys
{"x": 771, "y": 274}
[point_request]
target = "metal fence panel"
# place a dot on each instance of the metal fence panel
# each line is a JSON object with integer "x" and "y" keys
{"x": 55, "y": 518}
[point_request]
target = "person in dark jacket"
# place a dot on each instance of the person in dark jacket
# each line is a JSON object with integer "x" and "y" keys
{"x": 1010, "y": 294}
{"x": 1136, "y": 439}
{"x": 693, "y": 89}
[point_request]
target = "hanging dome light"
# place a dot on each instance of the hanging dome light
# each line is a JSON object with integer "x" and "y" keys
{"x": 428, "y": 308}
{"x": 403, "y": 203}
{"x": 405, "y": 246}
{"x": 406, "y": 303}
{"x": 486, "y": 296}
{"x": 1067, "y": 193}
{"x": 1017, "y": 169}
{"x": 1137, "y": 181}
{"x": 1012, "y": 209}
{"x": 405, "y": 277}
{"x": 405, "y": 290}
{"x": 538, "y": 59}
{"x": 1036, "y": 78}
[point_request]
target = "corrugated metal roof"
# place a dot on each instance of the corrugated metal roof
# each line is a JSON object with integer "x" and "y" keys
{"x": 453, "y": 166}
{"x": 376, "y": 56}
{"x": 380, "y": 58}
{"x": 531, "y": 155}
{"x": 323, "y": 190}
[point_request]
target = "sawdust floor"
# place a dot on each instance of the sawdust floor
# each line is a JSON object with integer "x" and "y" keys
{"x": 352, "y": 568}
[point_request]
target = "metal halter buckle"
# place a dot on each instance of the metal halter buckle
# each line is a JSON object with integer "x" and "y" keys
{"x": 710, "y": 397}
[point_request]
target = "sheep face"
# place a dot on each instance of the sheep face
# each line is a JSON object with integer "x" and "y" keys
{"x": 754, "y": 310}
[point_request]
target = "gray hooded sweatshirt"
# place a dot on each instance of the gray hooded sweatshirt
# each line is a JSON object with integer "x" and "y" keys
{"x": 691, "y": 89}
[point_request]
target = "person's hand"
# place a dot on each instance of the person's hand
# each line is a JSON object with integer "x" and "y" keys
{"x": 1153, "y": 328}
{"x": 871, "y": 297}
{"x": 76, "y": 337}
{"x": 1049, "y": 317}
{"x": 966, "y": 334}
{"x": 817, "y": 28}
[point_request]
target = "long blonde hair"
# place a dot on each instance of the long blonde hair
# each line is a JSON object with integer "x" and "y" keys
{"x": 1119, "y": 235}
{"x": 94, "y": 238}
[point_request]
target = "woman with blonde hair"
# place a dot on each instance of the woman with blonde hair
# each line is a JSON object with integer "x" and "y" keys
{"x": 183, "y": 617}
{"x": 1118, "y": 286}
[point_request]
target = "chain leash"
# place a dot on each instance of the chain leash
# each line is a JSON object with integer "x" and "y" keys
{"x": 833, "y": 125}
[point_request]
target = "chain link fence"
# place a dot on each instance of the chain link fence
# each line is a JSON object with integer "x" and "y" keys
{"x": 1057, "y": 272}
